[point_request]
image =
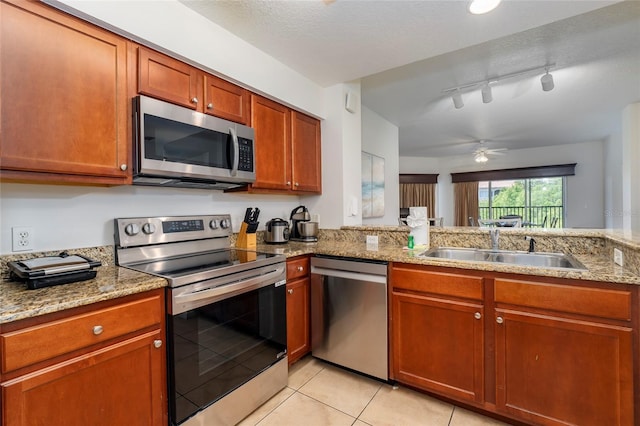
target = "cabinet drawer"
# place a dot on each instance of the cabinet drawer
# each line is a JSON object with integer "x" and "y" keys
{"x": 30, "y": 345}
{"x": 297, "y": 268}
{"x": 446, "y": 284}
{"x": 597, "y": 302}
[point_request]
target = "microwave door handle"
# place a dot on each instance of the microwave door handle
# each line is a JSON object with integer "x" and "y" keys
{"x": 236, "y": 151}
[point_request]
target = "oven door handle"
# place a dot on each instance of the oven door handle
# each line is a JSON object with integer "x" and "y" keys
{"x": 186, "y": 301}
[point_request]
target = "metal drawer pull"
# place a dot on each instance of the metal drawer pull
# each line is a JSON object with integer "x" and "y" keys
{"x": 300, "y": 269}
{"x": 499, "y": 320}
{"x": 290, "y": 291}
{"x": 209, "y": 106}
{"x": 157, "y": 343}
{"x": 194, "y": 100}
{"x": 97, "y": 330}
{"x": 477, "y": 315}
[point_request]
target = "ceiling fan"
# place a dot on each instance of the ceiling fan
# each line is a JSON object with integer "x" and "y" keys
{"x": 482, "y": 151}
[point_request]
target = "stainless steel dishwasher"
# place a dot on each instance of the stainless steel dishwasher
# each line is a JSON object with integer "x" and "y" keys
{"x": 349, "y": 314}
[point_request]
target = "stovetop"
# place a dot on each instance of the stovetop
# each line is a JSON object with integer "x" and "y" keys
{"x": 184, "y": 249}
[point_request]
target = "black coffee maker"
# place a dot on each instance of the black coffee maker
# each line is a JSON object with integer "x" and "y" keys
{"x": 302, "y": 229}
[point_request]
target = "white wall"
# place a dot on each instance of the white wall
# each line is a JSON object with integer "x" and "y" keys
{"x": 82, "y": 216}
{"x": 631, "y": 167}
{"x": 613, "y": 182}
{"x": 585, "y": 190}
{"x": 380, "y": 137}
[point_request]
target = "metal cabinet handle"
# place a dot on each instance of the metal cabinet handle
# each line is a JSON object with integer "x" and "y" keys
{"x": 288, "y": 183}
{"x": 157, "y": 343}
{"x": 499, "y": 320}
{"x": 300, "y": 269}
{"x": 123, "y": 167}
{"x": 477, "y": 315}
{"x": 209, "y": 106}
{"x": 297, "y": 184}
{"x": 290, "y": 291}
{"x": 194, "y": 100}
{"x": 97, "y": 329}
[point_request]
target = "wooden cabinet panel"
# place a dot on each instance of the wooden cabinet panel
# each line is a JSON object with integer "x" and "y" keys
{"x": 556, "y": 371}
{"x": 118, "y": 385}
{"x": 416, "y": 278}
{"x": 597, "y": 302}
{"x": 166, "y": 78}
{"x": 438, "y": 345}
{"x": 298, "y": 319}
{"x": 297, "y": 268}
{"x": 272, "y": 125}
{"x": 38, "y": 343}
{"x": 226, "y": 100}
{"x": 306, "y": 157}
{"x": 64, "y": 98}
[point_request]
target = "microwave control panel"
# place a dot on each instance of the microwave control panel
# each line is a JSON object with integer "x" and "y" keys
{"x": 245, "y": 162}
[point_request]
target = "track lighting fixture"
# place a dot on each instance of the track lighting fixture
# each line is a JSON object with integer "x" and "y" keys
{"x": 547, "y": 81}
{"x": 487, "y": 96}
{"x": 457, "y": 99}
{"x": 485, "y": 85}
{"x": 478, "y": 7}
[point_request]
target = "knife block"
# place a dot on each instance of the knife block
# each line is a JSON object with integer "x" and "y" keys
{"x": 245, "y": 240}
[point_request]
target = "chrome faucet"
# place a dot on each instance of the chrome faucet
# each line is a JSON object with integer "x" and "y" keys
{"x": 495, "y": 238}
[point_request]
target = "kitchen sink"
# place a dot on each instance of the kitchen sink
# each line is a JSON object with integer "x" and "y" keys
{"x": 520, "y": 258}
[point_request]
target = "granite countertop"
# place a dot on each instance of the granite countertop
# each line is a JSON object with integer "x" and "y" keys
{"x": 17, "y": 302}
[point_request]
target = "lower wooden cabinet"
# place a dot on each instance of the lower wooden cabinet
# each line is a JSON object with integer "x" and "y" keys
{"x": 121, "y": 380}
{"x": 298, "y": 308}
{"x": 541, "y": 351}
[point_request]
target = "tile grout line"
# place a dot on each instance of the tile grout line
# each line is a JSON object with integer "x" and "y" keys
{"x": 451, "y": 416}
{"x": 274, "y": 408}
{"x": 368, "y": 403}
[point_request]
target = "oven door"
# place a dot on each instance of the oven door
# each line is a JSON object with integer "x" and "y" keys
{"x": 221, "y": 336}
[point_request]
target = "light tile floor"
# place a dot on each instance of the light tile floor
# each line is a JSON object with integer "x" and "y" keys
{"x": 321, "y": 394}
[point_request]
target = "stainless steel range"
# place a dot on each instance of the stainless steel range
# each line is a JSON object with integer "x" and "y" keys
{"x": 226, "y": 314}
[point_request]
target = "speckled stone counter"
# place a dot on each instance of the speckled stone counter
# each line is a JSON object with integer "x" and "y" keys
{"x": 593, "y": 248}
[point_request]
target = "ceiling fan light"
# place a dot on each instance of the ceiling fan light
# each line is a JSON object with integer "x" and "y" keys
{"x": 481, "y": 158}
{"x": 478, "y": 7}
{"x": 547, "y": 82}
{"x": 487, "y": 96}
{"x": 457, "y": 99}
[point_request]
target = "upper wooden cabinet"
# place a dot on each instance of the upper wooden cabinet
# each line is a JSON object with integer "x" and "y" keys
{"x": 287, "y": 149}
{"x": 163, "y": 77}
{"x": 64, "y": 98}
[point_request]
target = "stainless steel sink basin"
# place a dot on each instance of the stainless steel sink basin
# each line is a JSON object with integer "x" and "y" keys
{"x": 520, "y": 258}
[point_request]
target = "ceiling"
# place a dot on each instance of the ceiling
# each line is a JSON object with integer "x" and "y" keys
{"x": 407, "y": 52}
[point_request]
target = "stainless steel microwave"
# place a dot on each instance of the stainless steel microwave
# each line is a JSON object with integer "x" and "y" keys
{"x": 175, "y": 146}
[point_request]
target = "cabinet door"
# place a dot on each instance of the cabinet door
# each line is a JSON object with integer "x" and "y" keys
{"x": 122, "y": 384}
{"x": 272, "y": 125}
{"x": 64, "y": 98}
{"x": 226, "y": 100}
{"x": 298, "y": 337}
{"x": 557, "y": 371}
{"x": 169, "y": 79}
{"x": 437, "y": 345}
{"x": 305, "y": 139}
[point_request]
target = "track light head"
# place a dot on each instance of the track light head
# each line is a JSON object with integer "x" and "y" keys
{"x": 457, "y": 99}
{"x": 487, "y": 96}
{"x": 547, "y": 82}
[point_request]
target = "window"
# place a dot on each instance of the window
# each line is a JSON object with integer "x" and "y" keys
{"x": 538, "y": 201}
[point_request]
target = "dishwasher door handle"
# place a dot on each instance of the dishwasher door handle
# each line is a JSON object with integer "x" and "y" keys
{"x": 381, "y": 279}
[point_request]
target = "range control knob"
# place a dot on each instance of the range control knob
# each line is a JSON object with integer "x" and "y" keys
{"x": 148, "y": 228}
{"x": 213, "y": 224}
{"x": 225, "y": 223}
{"x": 132, "y": 229}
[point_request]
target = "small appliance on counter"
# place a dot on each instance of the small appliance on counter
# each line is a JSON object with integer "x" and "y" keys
{"x": 47, "y": 271}
{"x": 276, "y": 231}
{"x": 302, "y": 229}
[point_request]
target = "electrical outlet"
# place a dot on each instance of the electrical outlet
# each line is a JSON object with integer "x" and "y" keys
{"x": 22, "y": 238}
{"x": 372, "y": 240}
{"x": 618, "y": 258}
